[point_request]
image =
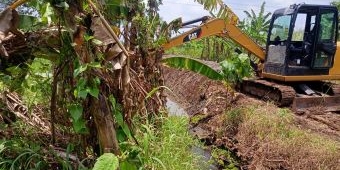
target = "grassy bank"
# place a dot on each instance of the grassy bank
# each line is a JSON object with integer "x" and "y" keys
{"x": 270, "y": 138}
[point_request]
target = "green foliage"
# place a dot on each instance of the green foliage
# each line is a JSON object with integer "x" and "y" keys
{"x": 75, "y": 78}
{"x": 163, "y": 143}
{"x": 336, "y": 3}
{"x": 37, "y": 83}
{"x": 79, "y": 124}
{"x": 13, "y": 77}
{"x": 16, "y": 154}
{"x": 234, "y": 69}
{"x": 107, "y": 161}
{"x": 192, "y": 49}
{"x": 257, "y": 25}
{"x": 233, "y": 118}
{"x": 123, "y": 131}
{"x": 167, "y": 147}
{"x": 209, "y": 48}
{"x": 217, "y": 49}
{"x": 218, "y": 9}
{"x": 198, "y": 118}
{"x": 20, "y": 153}
{"x": 225, "y": 159}
{"x": 115, "y": 9}
{"x": 32, "y": 80}
{"x": 210, "y": 5}
{"x": 27, "y": 22}
{"x": 193, "y": 65}
{"x": 148, "y": 35}
{"x": 85, "y": 87}
{"x": 154, "y": 90}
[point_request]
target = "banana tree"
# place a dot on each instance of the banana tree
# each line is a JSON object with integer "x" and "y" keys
{"x": 90, "y": 63}
{"x": 231, "y": 71}
{"x": 256, "y": 25}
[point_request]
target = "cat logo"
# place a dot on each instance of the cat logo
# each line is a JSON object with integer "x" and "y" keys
{"x": 194, "y": 35}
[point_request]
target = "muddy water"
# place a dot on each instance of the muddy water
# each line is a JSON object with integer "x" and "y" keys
{"x": 175, "y": 109}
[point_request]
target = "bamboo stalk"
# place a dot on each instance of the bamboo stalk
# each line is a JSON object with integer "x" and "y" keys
{"x": 108, "y": 27}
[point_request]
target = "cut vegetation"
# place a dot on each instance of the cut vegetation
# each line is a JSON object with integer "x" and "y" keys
{"x": 261, "y": 135}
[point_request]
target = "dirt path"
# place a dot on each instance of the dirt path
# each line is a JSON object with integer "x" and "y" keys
{"x": 206, "y": 102}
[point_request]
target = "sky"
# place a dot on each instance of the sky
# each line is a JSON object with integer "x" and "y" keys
{"x": 189, "y": 9}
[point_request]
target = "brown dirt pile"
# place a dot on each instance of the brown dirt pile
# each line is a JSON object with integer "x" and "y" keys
{"x": 262, "y": 135}
{"x": 197, "y": 93}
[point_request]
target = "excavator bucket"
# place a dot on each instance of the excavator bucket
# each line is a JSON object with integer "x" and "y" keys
{"x": 314, "y": 103}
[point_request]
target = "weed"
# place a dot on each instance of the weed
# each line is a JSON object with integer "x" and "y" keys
{"x": 224, "y": 158}
{"x": 197, "y": 118}
{"x": 16, "y": 154}
{"x": 168, "y": 147}
{"x": 234, "y": 118}
{"x": 37, "y": 83}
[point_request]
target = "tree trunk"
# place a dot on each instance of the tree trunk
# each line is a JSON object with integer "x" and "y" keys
{"x": 103, "y": 119}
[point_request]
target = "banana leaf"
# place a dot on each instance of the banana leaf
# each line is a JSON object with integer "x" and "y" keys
{"x": 193, "y": 65}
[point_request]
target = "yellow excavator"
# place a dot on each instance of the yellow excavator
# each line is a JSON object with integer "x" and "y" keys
{"x": 300, "y": 57}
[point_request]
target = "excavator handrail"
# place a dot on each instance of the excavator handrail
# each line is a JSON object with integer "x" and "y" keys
{"x": 201, "y": 19}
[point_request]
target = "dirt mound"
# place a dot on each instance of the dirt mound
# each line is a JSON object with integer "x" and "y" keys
{"x": 196, "y": 93}
{"x": 262, "y": 135}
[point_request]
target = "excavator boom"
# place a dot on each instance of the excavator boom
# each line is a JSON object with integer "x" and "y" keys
{"x": 217, "y": 27}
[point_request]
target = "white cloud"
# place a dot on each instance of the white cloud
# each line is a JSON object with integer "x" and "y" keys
{"x": 188, "y": 9}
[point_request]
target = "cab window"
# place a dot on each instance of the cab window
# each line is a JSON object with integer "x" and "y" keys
{"x": 280, "y": 28}
{"x": 327, "y": 27}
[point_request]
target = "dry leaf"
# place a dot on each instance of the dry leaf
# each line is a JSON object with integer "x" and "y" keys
{"x": 5, "y": 22}
{"x": 113, "y": 52}
{"x": 100, "y": 33}
{"x": 9, "y": 20}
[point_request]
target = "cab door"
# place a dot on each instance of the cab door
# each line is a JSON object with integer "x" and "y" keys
{"x": 325, "y": 44}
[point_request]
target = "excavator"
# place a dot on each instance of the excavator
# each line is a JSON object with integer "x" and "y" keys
{"x": 300, "y": 59}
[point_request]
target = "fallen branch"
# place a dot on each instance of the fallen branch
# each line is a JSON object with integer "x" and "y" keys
{"x": 15, "y": 106}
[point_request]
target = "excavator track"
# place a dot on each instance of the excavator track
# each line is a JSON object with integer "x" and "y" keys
{"x": 282, "y": 95}
{"x": 327, "y": 96}
{"x": 327, "y": 99}
{"x": 335, "y": 88}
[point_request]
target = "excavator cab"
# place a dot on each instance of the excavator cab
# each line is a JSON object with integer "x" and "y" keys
{"x": 301, "y": 41}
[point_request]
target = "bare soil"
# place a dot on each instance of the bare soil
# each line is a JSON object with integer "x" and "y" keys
{"x": 206, "y": 102}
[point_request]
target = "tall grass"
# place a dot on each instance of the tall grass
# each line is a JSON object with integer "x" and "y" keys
{"x": 170, "y": 146}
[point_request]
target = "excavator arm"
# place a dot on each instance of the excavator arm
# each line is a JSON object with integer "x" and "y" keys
{"x": 217, "y": 27}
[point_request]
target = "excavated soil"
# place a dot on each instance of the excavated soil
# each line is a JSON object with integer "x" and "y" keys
{"x": 208, "y": 100}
